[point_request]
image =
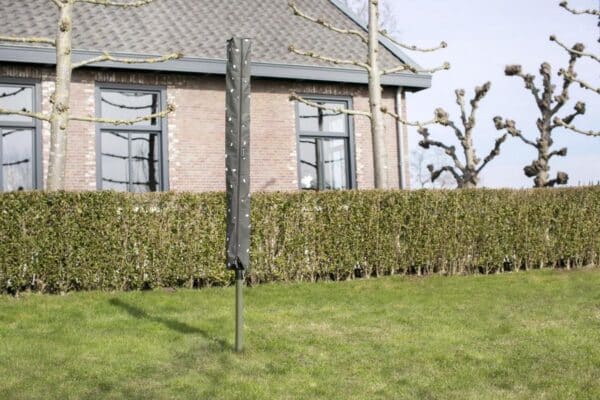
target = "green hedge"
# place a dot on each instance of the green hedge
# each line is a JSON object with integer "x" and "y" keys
{"x": 57, "y": 242}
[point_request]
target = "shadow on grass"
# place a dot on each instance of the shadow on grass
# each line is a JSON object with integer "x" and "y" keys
{"x": 172, "y": 324}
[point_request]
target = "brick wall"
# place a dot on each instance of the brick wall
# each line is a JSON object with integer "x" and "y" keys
{"x": 196, "y": 129}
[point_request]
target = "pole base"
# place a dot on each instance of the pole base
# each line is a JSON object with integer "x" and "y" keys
{"x": 239, "y": 309}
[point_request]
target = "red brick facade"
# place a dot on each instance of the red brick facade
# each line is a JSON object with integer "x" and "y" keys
{"x": 196, "y": 129}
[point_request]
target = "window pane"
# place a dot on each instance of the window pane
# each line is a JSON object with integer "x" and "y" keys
{"x": 317, "y": 120}
{"x": 144, "y": 163}
{"x": 308, "y": 164}
{"x": 17, "y": 159}
{"x": 115, "y": 161}
{"x": 126, "y": 105}
{"x": 335, "y": 172}
{"x": 16, "y": 98}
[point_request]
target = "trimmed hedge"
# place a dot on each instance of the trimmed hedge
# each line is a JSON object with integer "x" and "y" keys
{"x": 57, "y": 242}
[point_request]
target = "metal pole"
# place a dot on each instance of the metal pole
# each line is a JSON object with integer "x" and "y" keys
{"x": 239, "y": 310}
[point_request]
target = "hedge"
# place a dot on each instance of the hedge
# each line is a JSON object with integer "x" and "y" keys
{"x": 58, "y": 242}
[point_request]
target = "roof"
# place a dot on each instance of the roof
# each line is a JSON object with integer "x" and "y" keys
{"x": 199, "y": 29}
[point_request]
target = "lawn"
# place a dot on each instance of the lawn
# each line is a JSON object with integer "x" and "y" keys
{"x": 532, "y": 335}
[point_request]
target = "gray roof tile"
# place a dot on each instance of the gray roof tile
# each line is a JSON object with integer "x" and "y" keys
{"x": 198, "y": 28}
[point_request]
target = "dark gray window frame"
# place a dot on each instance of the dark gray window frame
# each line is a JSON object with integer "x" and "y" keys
{"x": 162, "y": 131}
{"x": 35, "y": 125}
{"x": 331, "y": 135}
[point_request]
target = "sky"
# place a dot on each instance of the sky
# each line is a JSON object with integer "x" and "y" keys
{"x": 483, "y": 37}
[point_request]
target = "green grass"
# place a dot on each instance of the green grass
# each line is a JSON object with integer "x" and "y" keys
{"x": 516, "y": 336}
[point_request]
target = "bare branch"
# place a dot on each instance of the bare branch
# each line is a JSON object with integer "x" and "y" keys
{"x": 406, "y": 67}
{"x": 426, "y": 143}
{"x": 480, "y": 93}
{"x": 25, "y": 113}
{"x": 329, "y": 59}
{"x": 436, "y": 174}
{"x": 565, "y": 5}
{"x": 107, "y": 57}
{"x": 578, "y": 49}
{"x": 170, "y": 108}
{"x": 570, "y": 71}
{"x": 495, "y": 152}
{"x": 296, "y": 97}
{"x": 132, "y": 4}
{"x": 460, "y": 100}
{"x": 510, "y": 127}
{"x": 19, "y": 162}
{"x": 573, "y": 128}
{"x": 33, "y": 39}
{"x": 528, "y": 79}
{"x": 442, "y": 117}
{"x": 328, "y": 25}
{"x": 572, "y": 77}
{"x": 562, "y": 178}
{"x": 579, "y": 110}
{"x": 562, "y": 153}
{"x": 385, "y": 34}
{"x": 409, "y": 123}
{"x": 10, "y": 94}
{"x": 57, "y": 3}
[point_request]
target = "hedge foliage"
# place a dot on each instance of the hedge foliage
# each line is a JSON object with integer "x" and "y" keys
{"x": 57, "y": 242}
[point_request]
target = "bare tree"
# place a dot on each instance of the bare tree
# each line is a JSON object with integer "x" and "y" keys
{"x": 572, "y": 76}
{"x": 465, "y": 172}
{"x": 420, "y": 160}
{"x": 549, "y": 105}
{"x": 60, "y": 115}
{"x": 372, "y": 66}
{"x": 550, "y": 102}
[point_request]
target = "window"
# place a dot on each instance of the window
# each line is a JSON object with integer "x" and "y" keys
{"x": 325, "y": 146}
{"x": 20, "y": 137}
{"x": 131, "y": 158}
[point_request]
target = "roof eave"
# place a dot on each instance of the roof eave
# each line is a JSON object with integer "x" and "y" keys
{"x": 47, "y": 56}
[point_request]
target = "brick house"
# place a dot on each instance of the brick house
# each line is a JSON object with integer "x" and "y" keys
{"x": 293, "y": 146}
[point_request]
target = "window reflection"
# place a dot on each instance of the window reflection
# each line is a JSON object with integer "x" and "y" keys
{"x": 323, "y": 163}
{"x": 16, "y": 98}
{"x": 130, "y": 161}
{"x": 314, "y": 119}
{"x": 115, "y": 161}
{"x": 308, "y": 164}
{"x": 17, "y": 159}
{"x": 334, "y": 164}
{"x": 144, "y": 163}
{"x": 126, "y": 105}
{"x": 324, "y": 146}
{"x": 131, "y": 154}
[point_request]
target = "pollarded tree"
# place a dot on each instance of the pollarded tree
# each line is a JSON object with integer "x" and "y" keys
{"x": 466, "y": 171}
{"x": 60, "y": 115}
{"x": 573, "y": 76}
{"x": 549, "y": 105}
{"x": 371, "y": 64}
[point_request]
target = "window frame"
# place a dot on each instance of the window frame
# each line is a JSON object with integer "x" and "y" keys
{"x": 160, "y": 129}
{"x": 35, "y": 125}
{"x": 346, "y": 102}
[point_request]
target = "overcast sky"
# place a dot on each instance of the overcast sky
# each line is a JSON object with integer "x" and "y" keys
{"x": 483, "y": 37}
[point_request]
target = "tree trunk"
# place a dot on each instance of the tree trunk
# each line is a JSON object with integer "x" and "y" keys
{"x": 61, "y": 98}
{"x": 470, "y": 175}
{"x": 542, "y": 176}
{"x": 375, "y": 96}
